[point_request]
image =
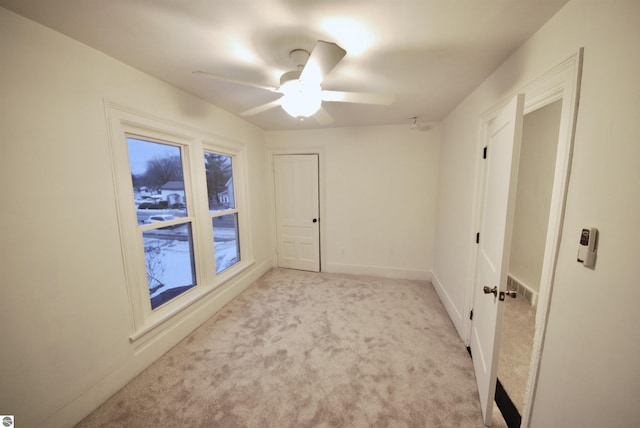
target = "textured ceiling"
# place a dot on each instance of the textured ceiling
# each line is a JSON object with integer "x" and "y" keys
{"x": 428, "y": 53}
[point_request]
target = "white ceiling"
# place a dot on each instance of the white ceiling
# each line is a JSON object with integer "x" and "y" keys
{"x": 429, "y": 53}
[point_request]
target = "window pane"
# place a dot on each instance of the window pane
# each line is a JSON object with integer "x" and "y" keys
{"x": 225, "y": 241}
{"x": 219, "y": 181}
{"x": 157, "y": 178}
{"x": 169, "y": 257}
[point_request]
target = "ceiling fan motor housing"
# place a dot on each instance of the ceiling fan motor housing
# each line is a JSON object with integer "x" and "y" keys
{"x": 299, "y": 58}
{"x": 289, "y": 75}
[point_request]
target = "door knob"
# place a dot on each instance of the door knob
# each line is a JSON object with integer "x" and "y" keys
{"x": 315, "y": 220}
{"x": 488, "y": 290}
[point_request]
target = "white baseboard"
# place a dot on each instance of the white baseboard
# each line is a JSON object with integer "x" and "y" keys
{"x": 89, "y": 399}
{"x": 524, "y": 290}
{"x": 449, "y": 306}
{"x": 380, "y": 271}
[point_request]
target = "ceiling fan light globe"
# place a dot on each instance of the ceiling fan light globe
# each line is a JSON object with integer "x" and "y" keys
{"x": 300, "y": 100}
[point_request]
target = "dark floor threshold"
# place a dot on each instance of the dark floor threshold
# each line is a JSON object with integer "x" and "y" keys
{"x": 509, "y": 412}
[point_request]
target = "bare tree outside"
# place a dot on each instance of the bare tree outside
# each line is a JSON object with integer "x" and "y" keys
{"x": 155, "y": 267}
{"x": 161, "y": 170}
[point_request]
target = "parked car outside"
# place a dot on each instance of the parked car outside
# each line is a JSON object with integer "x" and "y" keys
{"x": 159, "y": 217}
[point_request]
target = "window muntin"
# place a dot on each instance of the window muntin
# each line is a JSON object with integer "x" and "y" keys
{"x": 222, "y": 208}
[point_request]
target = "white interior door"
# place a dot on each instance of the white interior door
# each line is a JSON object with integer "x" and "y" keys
{"x": 503, "y": 153}
{"x": 297, "y": 211}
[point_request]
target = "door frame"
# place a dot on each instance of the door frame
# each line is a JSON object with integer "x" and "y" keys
{"x": 560, "y": 83}
{"x": 307, "y": 150}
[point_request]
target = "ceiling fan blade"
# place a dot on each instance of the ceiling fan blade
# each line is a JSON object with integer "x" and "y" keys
{"x": 236, "y": 81}
{"x": 261, "y": 108}
{"x": 358, "y": 97}
{"x": 323, "y": 117}
{"x": 324, "y": 57}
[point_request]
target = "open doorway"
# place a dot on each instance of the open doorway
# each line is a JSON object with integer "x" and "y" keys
{"x": 535, "y": 184}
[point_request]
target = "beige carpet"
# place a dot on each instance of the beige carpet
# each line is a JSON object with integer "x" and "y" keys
{"x": 300, "y": 349}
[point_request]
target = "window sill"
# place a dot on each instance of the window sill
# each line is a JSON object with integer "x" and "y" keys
{"x": 181, "y": 308}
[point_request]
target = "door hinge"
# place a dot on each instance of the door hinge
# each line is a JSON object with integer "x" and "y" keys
{"x": 478, "y": 238}
{"x": 471, "y": 314}
{"x": 484, "y": 152}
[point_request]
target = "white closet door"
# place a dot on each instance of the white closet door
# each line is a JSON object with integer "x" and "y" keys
{"x": 297, "y": 211}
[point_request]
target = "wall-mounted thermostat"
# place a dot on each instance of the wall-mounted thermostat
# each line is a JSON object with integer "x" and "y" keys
{"x": 588, "y": 247}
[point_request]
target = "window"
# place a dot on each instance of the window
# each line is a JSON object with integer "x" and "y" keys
{"x": 161, "y": 210}
{"x": 222, "y": 207}
{"x": 182, "y": 226}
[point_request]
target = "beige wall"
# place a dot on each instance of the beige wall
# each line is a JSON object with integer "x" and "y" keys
{"x": 64, "y": 312}
{"x": 589, "y": 376}
{"x": 535, "y": 180}
{"x": 378, "y": 195}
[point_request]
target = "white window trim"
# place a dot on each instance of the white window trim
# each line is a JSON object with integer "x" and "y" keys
{"x": 124, "y": 121}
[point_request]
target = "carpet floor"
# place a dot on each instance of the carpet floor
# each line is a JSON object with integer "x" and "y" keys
{"x": 300, "y": 349}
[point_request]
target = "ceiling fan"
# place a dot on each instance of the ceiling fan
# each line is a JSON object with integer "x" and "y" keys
{"x": 302, "y": 94}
